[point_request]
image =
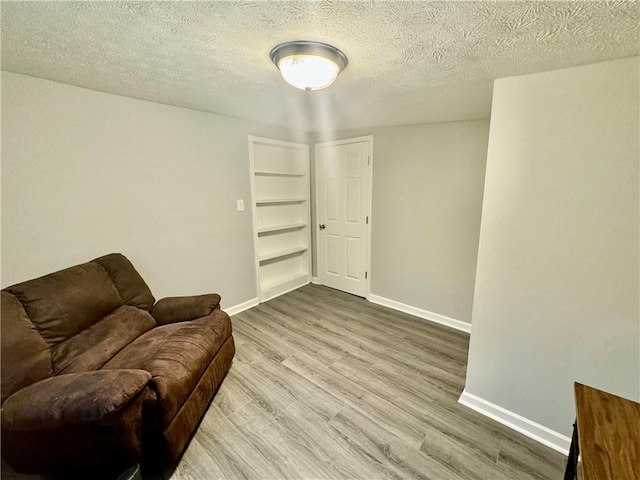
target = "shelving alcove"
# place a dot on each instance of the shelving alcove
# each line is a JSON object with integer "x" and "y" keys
{"x": 280, "y": 186}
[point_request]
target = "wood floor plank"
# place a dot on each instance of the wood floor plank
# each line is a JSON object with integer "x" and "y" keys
{"x": 246, "y": 351}
{"x": 528, "y": 458}
{"x": 261, "y": 431}
{"x": 196, "y": 464}
{"x": 272, "y": 397}
{"x": 383, "y": 445}
{"x": 230, "y": 397}
{"x": 404, "y": 378}
{"x": 349, "y": 459}
{"x": 455, "y": 352}
{"x": 467, "y": 463}
{"x": 435, "y": 382}
{"x": 266, "y": 345}
{"x": 389, "y": 343}
{"x": 337, "y": 316}
{"x": 406, "y": 394}
{"x": 231, "y": 451}
{"x": 330, "y": 336}
{"x": 322, "y": 403}
{"x": 385, "y": 412}
{"x": 329, "y": 381}
{"x": 398, "y": 320}
{"x": 264, "y": 321}
{"x": 299, "y": 447}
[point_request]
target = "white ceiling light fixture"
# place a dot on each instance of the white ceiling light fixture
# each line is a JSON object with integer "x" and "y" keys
{"x": 308, "y": 65}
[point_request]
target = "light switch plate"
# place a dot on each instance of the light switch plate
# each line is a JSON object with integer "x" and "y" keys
{"x": 240, "y": 205}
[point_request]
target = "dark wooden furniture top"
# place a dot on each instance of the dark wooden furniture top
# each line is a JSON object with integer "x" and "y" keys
{"x": 608, "y": 435}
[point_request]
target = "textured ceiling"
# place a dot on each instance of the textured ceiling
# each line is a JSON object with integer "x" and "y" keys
{"x": 409, "y": 62}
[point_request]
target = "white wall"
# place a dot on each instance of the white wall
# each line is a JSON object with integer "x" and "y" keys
{"x": 557, "y": 287}
{"x": 86, "y": 173}
{"x": 427, "y": 199}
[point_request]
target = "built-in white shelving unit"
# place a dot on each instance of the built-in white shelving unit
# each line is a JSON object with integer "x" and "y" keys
{"x": 281, "y": 213}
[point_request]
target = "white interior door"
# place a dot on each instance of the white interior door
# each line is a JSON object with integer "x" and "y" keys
{"x": 343, "y": 180}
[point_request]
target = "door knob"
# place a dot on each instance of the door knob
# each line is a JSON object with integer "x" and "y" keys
{"x": 322, "y": 226}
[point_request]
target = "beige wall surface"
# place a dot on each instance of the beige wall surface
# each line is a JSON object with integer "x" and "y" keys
{"x": 557, "y": 287}
{"x": 86, "y": 173}
{"x": 427, "y": 198}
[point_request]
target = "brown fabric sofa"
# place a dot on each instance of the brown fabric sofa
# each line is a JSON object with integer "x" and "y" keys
{"x": 95, "y": 374}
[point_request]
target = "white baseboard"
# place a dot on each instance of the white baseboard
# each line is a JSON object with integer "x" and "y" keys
{"x": 315, "y": 280}
{"x": 241, "y": 307}
{"x": 531, "y": 429}
{"x": 418, "y": 312}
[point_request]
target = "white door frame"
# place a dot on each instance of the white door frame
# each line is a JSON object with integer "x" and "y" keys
{"x": 369, "y": 140}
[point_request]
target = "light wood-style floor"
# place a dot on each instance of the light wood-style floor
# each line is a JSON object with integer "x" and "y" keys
{"x": 326, "y": 385}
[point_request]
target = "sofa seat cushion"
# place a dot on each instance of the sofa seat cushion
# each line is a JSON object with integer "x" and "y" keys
{"x": 95, "y": 346}
{"x": 176, "y": 355}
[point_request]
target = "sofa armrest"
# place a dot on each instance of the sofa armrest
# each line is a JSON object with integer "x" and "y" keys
{"x": 180, "y": 309}
{"x": 72, "y": 399}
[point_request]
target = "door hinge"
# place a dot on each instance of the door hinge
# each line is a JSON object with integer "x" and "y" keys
{"x": 367, "y": 219}
{"x": 365, "y": 275}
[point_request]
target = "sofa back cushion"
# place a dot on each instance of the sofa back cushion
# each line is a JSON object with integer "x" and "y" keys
{"x": 95, "y": 346}
{"x": 132, "y": 288}
{"x": 64, "y": 303}
{"x": 26, "y": 358}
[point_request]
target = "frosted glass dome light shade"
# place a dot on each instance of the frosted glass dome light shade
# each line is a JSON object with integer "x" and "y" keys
{"x": 308, "y": 72}
{"x": 308, "y": 65}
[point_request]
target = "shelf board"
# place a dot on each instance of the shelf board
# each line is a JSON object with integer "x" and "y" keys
{"x": 277, "y": 174}
{"x": 298, "y": 277}
{"x": 281, "y": 253}
{"x": 277, "y": 228}
{"x": 267, "y": 201}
